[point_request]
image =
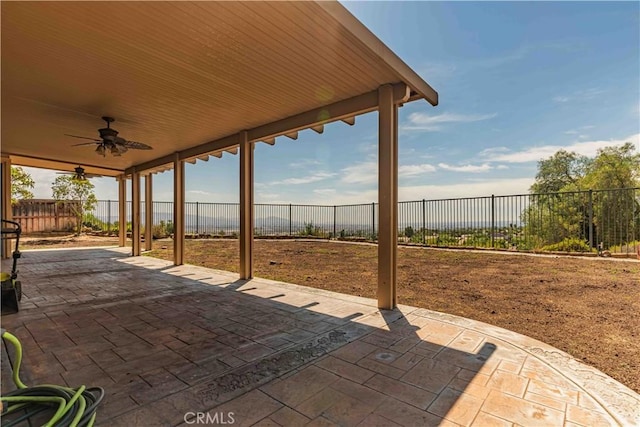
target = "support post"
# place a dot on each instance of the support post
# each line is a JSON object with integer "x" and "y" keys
{"x": 178, "y": 210}
{"x": 135, "y": 213}
{"x": 7, "y": 212}
{"x": 148, "y": 212}
{"x": 246, "y": 206}
{"x": 108, "y": 217}
{"x": 122, "y": 211}
{"x": 387, "y": 197}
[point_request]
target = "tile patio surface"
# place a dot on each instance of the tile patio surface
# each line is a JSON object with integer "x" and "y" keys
{"x": 167, "y": 342}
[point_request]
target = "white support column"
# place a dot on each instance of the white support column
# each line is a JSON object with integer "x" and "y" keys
{"x": 246, "y": 206}
{"x": 135, "y": 213}
{"x": 387, "y": 197}
{"x": 122, "y": 211}
{"x": 7, "y": 212}
{"x": 148, "y": 212}
{"x": 178, "y": 210}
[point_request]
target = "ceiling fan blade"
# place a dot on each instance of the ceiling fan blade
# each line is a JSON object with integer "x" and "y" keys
{"x": 83, "y": 137}
{"x": 136, "y": 145}
{"x": 85, "y": 143}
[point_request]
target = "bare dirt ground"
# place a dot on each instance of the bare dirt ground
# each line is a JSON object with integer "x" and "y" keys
{"x": 63, "y": 240}
{"x": 589, "y": 308}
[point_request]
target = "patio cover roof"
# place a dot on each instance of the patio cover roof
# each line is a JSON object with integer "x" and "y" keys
{"x": 183, "y": 77}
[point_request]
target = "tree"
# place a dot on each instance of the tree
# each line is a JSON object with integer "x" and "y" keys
{"x": 21, "y": 185}
{"x": 77, "y": 193}
{"x": 614, "y": 167}
{"x": 561, "y": 172}
{"x": 566, "y": 211}
{"x": 616, "y": 213}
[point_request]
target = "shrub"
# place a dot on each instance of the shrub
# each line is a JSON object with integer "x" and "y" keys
{"x": 408, "y": 232}
{"x": 569, "y": 244}
{"x": 311, "y": 230}
{"x": 631, "y": 247}
{"x": 162, "y": 230}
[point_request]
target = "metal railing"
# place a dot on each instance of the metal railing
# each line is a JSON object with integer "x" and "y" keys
{"x": 566, "y": 221}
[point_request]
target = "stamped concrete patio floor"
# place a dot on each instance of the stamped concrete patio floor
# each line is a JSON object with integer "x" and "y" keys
{"x": 169, "y": 342}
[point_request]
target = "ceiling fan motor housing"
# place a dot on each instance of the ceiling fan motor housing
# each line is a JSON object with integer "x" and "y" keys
{"x": 108, "y": 134}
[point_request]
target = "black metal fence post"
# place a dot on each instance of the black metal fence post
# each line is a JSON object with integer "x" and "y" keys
{"x": 590, "y": 219}
{"x": 108, "y": 216}
{"x": 493, "y": 220}
{"x": 334, "y": 220}
{"x": 424, "y": 222}
{"x": 373, "y": 222}
{"x": 290, "y": 221}
{"x": 197, "y": 218}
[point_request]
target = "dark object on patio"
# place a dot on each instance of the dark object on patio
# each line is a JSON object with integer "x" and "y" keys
{"x": 46, "y": 404}
{"x": 11, "y": 286}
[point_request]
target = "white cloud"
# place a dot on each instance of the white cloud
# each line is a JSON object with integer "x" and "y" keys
{"x": 427, "y": 122}
{"x": 367, "y": 172}
{"x": 325, "y": 191}
{"x": 579, "y": 130}
{"x": 485, "y": 167}
{"x": 360, "y": 173}
{"x": 415, "y": 170}
{"x": 304, "y": 163}
{"x": 315, "y": 177}
{"x": 581, "y": 95}
{"x": 534, "y": 154}
{"x": 266, "y": 197}
{"x": 198, "y": 192}
{"x": 438, "y": 71}
{"x": 466, "y": 189}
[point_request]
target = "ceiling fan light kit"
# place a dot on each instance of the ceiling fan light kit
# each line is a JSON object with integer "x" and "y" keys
{"x": 79, "y": 174}
{"x": 109, "y": 141}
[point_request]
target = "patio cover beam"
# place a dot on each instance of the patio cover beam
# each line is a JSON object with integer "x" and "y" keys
{"x": 246, "y": 206}
{"x": 148, "y": 212}
{"x": 345, "y": 109}
{"x": 122, "y": 211}
{"x": 178, "y": 210}
{"x": 135, "y": 214}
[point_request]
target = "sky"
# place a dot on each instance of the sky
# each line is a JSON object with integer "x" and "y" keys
{"x": 517, "y": 81}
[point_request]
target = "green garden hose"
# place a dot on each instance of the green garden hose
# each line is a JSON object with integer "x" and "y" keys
{"x": 70, "y": 407}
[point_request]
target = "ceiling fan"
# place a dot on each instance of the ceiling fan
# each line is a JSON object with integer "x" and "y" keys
{"x": 79, "y": 174}
{"x": 109, "y": 141}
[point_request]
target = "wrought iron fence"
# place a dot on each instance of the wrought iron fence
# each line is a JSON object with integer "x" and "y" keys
{"x": 568, "y": 221}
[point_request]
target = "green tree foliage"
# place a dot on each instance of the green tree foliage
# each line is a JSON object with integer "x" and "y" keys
{"x": 561, "y": 172}
{"x": 615, "y": 214}
{"x": 77, "y": 193}
{"x": 614, "y": 167}
{"x": 21, "y": 185}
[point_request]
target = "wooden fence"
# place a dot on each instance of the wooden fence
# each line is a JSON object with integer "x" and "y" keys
{"x": 42, "y": 215}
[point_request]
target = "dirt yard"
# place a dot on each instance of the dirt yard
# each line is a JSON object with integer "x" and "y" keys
{"x": 589, "y": 308}
{"x": 63, "y": 240}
